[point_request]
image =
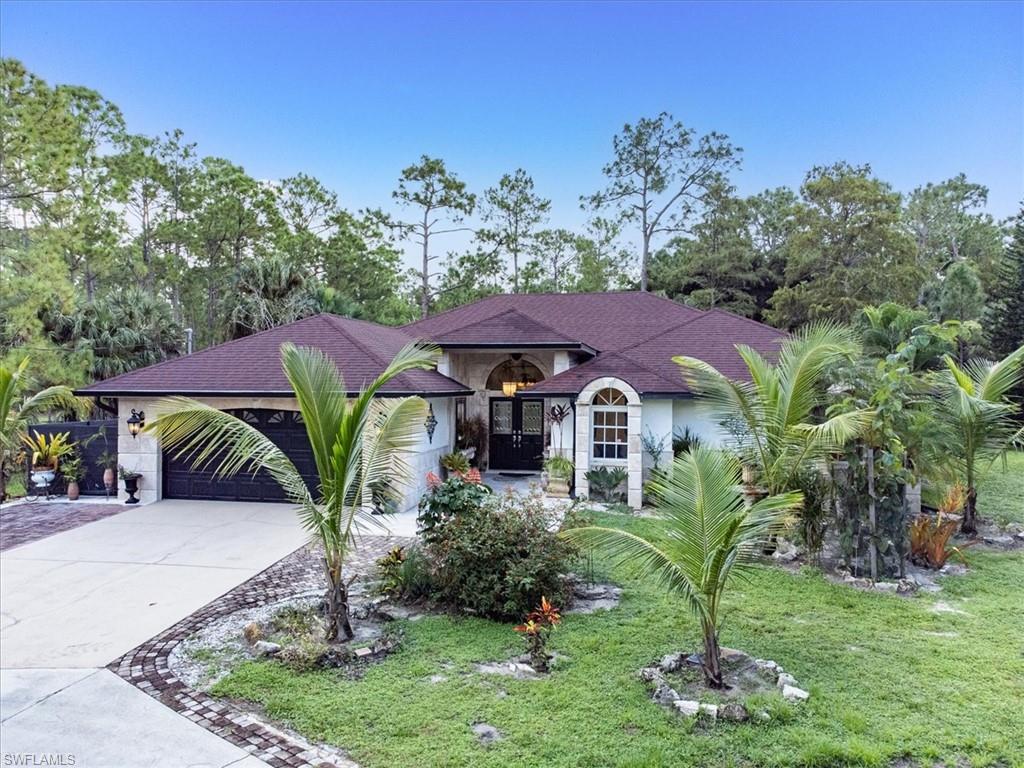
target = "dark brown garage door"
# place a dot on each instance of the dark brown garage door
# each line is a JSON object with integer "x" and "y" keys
{"x": 284, "y": 428}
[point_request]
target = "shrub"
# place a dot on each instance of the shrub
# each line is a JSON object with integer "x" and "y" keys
{"x": 605, "y": 483}
{"x": 684, "y": 441}
{"x": 812, "y": 522}
{"x": 500, "y": 561}
{"x": 456, "y": 497}
{"x": 929, "y": 538}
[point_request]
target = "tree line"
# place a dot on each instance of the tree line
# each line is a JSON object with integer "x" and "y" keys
{"x": 112, "y": 243}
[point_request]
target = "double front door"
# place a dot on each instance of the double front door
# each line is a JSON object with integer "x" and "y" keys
{"x": 517, "y": 434}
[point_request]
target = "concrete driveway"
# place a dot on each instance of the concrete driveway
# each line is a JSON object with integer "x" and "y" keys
{"x": 74, "y": 602}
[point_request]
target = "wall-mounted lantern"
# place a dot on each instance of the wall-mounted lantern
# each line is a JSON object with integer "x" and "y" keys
{"x": 136, "y": 422}
{"x": 430, "y": 423}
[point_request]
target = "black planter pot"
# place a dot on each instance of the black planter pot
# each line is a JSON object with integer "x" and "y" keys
{"x": 131, "y": 487}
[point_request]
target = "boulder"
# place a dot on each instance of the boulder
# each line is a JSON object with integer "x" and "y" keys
{"x": 785, "y": 679}
{"x": 885, "y": 586}
{"x": 792, "y": 693}
{"x": 665, "y": 695}
{"x": 708, "y": 711}
{"x": 686, "y": 707}
{"x": 733, "y": 712}
{"x": 266, "y": 648}
{"x": 786, "y": 551}
{"x": 673, "y": 662}
{"x": 651, "y": 675}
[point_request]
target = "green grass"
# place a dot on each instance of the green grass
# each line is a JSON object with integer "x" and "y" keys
{"x": 883, "y": 687}
{"x": 1001, "y": 492}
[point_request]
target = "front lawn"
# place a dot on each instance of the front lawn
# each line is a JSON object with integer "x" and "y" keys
{"x": 890, "y": 678}
{"x": 1001, "y": 493}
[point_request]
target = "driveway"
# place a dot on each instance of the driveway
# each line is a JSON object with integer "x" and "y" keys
{"x": 72, "y": 603}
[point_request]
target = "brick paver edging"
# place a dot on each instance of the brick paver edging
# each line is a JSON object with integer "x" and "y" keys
{"x": 30, "y": 521}
{"x": 146, "y": 667}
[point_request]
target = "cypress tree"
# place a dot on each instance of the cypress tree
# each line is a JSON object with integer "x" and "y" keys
{"x": 1006, "y": 313}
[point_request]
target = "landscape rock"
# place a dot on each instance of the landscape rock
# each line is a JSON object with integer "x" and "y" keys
{"x": 438, "y": 679}
{"x": 786, "y": 551}
{"x": 792, "y": 693}
{"x": 588, "y": 598}
{"x": 733, "y": 655}
{"x": 673, "y": 662}
{"x": 486, "y": 734}
{"x": 686, "y": 707}
{"x": 906, "y": 587}
{"x": 733, "y": 712}
{"x": 266, "y": 648}
{"x": 651, "y": 675}
{"x": 768, "y": 668}
{"x": 953, "y": 569}
{"x": 886, "y": 586}
{"x": 515, "y": 669}
{"x": 665, "y": 695}
{"x": 710, "y": 711}
{"x": 785, "y": 679}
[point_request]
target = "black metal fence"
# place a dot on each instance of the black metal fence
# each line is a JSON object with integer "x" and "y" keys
{"x": 92, "y": 439}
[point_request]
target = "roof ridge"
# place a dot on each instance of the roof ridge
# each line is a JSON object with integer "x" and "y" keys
{"x": 647, "y": 368}
{"x": 206, "y": 350}
{"x": 662, "y": 332}
{"x": 372, "y": 355}
{"x": 749, "y": 320}
{"x": 604, "y": 358}
{"x": 481, "y": 300}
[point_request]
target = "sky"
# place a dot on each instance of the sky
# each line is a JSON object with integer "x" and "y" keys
{"x": 352, "y": 93}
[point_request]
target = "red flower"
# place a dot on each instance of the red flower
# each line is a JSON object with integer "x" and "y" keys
{"x": 433, "y": 481}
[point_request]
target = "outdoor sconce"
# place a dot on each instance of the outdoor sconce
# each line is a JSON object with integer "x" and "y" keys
{"x": 136, "y": 422}
{"x": 430, "y": 423}
{"x": 509, "y": 388}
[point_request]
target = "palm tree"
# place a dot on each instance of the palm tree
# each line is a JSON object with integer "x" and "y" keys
{"x": 358, "y": 445}
{"x": 16, "y": 408}
{"x": 974, "y": 405}
{"x": 773, "y": 414}
{"x": 705, "y": 534}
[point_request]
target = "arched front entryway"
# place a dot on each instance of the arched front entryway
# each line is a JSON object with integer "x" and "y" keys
{"x": 516, "y": 421}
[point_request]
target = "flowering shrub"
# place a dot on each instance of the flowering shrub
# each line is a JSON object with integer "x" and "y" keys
{"x": 500, "y": 560}
{"x": 535, "y": 630}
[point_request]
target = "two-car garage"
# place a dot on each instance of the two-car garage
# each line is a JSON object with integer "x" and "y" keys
{"x": 284, "y": 428}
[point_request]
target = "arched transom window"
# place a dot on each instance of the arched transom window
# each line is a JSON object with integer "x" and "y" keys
{"x": 610, "y": 418}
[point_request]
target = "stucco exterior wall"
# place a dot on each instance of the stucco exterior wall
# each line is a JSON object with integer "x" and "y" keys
{"x": 658, "y": 422}
{"x": 697, "y": 415}
{"x": 143, "y": 454}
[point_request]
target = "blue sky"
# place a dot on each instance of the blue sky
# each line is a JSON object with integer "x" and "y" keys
{"x": 351, "y": 93}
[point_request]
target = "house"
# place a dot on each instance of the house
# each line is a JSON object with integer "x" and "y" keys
{"x": 508, "y": 359}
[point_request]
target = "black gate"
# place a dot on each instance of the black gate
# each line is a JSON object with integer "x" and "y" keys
{"x": 92, "y": 440}
{"x": 284, "y": 428}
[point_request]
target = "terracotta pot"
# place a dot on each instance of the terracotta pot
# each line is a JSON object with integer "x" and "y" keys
{"x": 108, "y": 478}
{"x": 73, "y": 490}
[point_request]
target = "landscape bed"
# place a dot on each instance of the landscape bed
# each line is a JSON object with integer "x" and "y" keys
{"x": 922, "y": 680}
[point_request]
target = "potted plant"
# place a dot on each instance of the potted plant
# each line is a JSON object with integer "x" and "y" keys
{"x": 108, "y": 461}
{"x": 72, "y": 470}
{"x": 559, "y": 470}
{"x": 45, "y": 453}
{"x": 454, "y": 463}
{"x": 131, "y": 483}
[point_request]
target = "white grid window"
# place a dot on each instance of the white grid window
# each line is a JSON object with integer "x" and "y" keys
{"x": 610, "y": 419}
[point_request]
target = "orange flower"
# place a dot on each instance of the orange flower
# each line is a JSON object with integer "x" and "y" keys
{"x": 433, "y": 480}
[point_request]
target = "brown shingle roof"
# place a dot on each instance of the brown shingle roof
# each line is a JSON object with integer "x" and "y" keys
{"x": 606, "y": 322}
{"x": 252, "y": 365}
{"x": 507, "y": 329}
{"x": 711, "y": 336}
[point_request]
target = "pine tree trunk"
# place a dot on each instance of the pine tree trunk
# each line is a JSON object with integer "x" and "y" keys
{"x": 339, "y": 628}
{"x": 872, "y": 518}
{"x": 711, "y": 664}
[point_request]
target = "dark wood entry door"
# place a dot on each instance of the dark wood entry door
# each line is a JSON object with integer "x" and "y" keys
{"x": 516, "y": 434}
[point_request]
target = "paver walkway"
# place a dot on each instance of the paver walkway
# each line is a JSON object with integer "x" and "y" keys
{"x": 23, "y": 522}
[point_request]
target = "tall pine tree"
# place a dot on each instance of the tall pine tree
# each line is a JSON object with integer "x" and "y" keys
{"x": 1006, "y": 302}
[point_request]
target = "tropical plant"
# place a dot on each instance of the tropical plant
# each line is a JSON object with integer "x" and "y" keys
{"x": 47, "y": 450}
{"x": 473, "y": 434}
{"x": 455, "y": 462}
{"x": 535, "y": 629}
{"x": 705, "y": 533}
{"x": 772, "y": 416}
{"x": 654, "y": 446}
{"x": 107, "y": 460}
{"x": 559, "y": 467}
{"x": 555, "y": 416}
{"x": 605, "y": 482}
{"x": 975, "y": 407}
{"x": 17, "y": 407}
{"x": 929, "y": 537}
{"x": 684, "y": 440}
{"x": 405, "y": 573}
{"x": 355, "y": 441}
{"x": 72, "y": 469}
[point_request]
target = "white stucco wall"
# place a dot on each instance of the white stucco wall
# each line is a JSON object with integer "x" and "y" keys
{"x": 143, "y": 454}
{"x": 697, "y": 415}
{"x": 658, "y": 421}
